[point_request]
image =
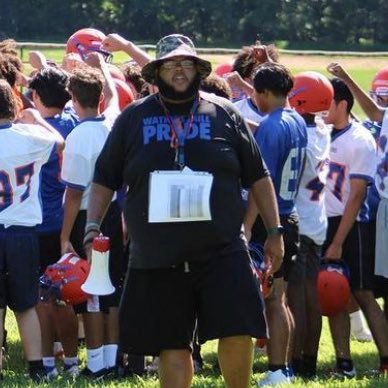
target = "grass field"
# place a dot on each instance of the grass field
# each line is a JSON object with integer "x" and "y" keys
{"x": 365, "y": 354}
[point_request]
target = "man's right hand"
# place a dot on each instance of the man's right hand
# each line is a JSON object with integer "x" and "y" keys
{"x": 274, "y": 252}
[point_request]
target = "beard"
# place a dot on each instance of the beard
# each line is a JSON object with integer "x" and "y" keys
{"x": 170, "y": 94}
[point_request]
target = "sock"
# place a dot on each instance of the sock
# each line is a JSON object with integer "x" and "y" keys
{"x": 36, "y": 367}
{"x": 345, "y": 364}
{"x": 297, "y": 366}
{"x": 49, "y": 361}
{"x": 309, "y": 365}
{"x": 70, "y": 361}
{"x": 95, "y": 359}
{"x": 384, "y": 362}
{"x": 110, "y": 355}
{"x": 357, "y": 322}
{"x": 274, "y": 368}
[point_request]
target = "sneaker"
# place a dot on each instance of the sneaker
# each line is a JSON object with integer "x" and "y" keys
{"x": 98, "y": 375}
{"x": 344, "y": 374}
{"x": 280, "y": 376}
{"x": 51, "y": 372}
{"x": 71, "y": 370}
{"x": 363, "y": 335}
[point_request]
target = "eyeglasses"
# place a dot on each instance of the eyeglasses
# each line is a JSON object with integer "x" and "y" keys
{"x": 185, "y": 64}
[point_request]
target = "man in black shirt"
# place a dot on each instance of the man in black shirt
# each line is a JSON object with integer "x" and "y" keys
{"x": 185, "y": 156}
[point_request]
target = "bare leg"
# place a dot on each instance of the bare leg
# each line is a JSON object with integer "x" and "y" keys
{"x": 94, "y": 329}
{"x": 235, "y": 355}
{"x": 278, "y": 324}
{"x": 66, "y": 323}
{"x": 112, "y": 326}
{"x": 340, "y": 331}
{"x": 375, "y": 317}
{"x": 30, "y": 333}
{"x": 175, "y": 369}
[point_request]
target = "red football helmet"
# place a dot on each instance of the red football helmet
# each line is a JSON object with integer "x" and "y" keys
{"x": 62, "y": 280}
{"x": 125, "y": 94}
{"x": 312, "y": 93}
{"x": 380, "y": 83}
{"x": 223, "y": 69}
{"x": 261, "y": 270}
{"x": 85, "y": 41}
{"x": 333, "y": 287}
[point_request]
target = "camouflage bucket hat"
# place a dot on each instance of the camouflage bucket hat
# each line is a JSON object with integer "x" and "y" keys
{"x": 173, "y": 46}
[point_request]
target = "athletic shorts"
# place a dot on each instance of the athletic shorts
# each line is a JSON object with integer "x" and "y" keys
{"x": 290, "y": 224}
{"x": 358, "y": 252}
{"x": 159, "y": 307}
{"x": 112, "y": 228}
{"x": 19, "y": 268}
{"x": 49, "y": 249}
{"x": 307, "y": 263}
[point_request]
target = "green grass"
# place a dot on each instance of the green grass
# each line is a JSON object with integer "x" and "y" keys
{"x": 364, "y": 354}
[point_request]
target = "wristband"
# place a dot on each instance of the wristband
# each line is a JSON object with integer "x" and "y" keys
{"x": 274, "y": 231}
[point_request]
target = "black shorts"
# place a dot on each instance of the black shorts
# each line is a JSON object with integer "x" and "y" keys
{"x": 49, "y": 249}
{"x": 307, "y": 263}
{"x": 159, "y": 307}
{"x": 19, "y": 268}
{"x": 358, "y": 252}
{"x": 112, "y": 228}
{"x": 290, "y": 224}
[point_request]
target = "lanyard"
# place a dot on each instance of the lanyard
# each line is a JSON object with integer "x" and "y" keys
{"x": 179, "y": 132}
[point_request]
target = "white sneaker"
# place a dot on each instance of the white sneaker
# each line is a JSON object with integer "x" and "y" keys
{"x": 279, "y": 376}
{"x": 362, "y": 335}
{"x": 71, "y": 370}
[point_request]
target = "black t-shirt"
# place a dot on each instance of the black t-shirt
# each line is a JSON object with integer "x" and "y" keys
{"x": 219, "y": 143}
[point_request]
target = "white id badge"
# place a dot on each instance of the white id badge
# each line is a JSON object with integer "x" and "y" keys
{"x": 179, "y": 196}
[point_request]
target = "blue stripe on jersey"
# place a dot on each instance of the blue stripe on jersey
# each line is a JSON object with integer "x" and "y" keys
{"x": 282, "y": 139}
{"x": 52, "y": 188}
{"x": 5, "y": 126}
{"x": 368, "y": 178}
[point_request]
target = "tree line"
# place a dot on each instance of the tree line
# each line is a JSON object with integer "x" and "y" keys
{"x": 230, "y": 23}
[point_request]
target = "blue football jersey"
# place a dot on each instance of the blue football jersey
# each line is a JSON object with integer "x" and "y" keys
{"x": 52, "y": 188}
{"x": 282, "y": 139}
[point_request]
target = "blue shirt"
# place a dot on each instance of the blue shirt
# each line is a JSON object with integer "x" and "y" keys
{"x": 52, "y": 188}
{"x": 282, "y": 139}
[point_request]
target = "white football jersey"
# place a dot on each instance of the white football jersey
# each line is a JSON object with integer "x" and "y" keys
{"x": 24, "y": 148}
{"x": 249, "y": 111}
{"x": 83, "y": 146}
{"x": 352, "y": 155}
{"x": 382, "y": 159}
{"x": 310, "y": 202}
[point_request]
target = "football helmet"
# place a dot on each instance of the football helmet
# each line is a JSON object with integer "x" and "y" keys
{"x": 62, "y": 281}
{"x": 261, "y": 270}
{"x": 333, "y": 287}
{"x": 312, "y": 93}
{"x": 223, "y": 69}
{"x": 85, "y": 41}
{"x": 380, "y": 87}
{"x": 125, "y": 94}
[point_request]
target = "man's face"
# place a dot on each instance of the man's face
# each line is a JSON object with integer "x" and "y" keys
{"x": 332, "y": 114}
{"x": 178, "y": 72}
{"x": 382, "y": 101}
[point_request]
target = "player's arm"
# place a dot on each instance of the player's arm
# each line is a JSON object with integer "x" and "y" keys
{"x": 265, "y": 203}
{"x": 99, "y": 200}
{"x": 110, "y": 93}
{"x": 115, "y": 42}
{"x": 356, "y": 197}
{"x": 71, "y": 206}
{"x": 32, "y": 116}
{"x": 371, "y": 109}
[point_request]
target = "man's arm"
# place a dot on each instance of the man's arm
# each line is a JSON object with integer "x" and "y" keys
{"x": 371, "y": 109}
{"x": 99, "y": 200}
{"x": 115, "y": 42}
{"x": 265, "y": 204}
{"x": 352, "y": 207}
{"x": 71, "y": 206}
